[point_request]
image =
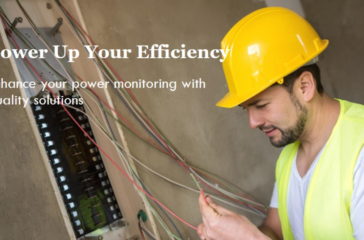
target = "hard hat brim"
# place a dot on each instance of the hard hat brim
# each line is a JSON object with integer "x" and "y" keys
{"x": 230, "y": 100}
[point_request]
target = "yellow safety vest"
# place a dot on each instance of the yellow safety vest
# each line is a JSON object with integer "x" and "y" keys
{"x": 327, "y": 207}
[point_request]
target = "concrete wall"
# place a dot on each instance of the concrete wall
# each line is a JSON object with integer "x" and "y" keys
{"x": 218, "y": 140}
{"x": 342, "y": 62}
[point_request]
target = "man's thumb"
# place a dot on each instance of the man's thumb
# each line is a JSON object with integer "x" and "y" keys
{"x": 215, "y": 206}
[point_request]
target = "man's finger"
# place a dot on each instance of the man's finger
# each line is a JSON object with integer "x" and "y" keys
{"x": 200, "y": 231}
{"x": 205, "y": 209}
{"x": 217, "y": 208}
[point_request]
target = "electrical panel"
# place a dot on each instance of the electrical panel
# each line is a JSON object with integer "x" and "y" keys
{"x": 77, "y": 167}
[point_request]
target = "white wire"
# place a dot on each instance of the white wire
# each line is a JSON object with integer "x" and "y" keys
{"x": 232, "y": 195}
{"x": 216, "y": 187}
{"x": 146, "y": 229}
{"x": 224, "y": 191}
{"x": 108, "y": 77}
{"x": 70, "y": 78}
{"x": 124, "y": 160}
{"x": 176, "y": 154}
{"x": 104, "y": 118}
{"x": 158, "y": 174}
{"x": 104, "y": 73}
{"x": 127, "y": 169}
{"x": 183, "y": 160}
{"x": 119, "y": 152}
{"x": 137, "y": 111}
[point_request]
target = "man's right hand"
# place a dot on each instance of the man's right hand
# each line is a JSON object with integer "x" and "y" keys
{"x": 220, "y": 223}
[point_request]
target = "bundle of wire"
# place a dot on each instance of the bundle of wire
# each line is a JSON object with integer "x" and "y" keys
{"x": 229, "y": 191}
{"x": 134, "y": 106}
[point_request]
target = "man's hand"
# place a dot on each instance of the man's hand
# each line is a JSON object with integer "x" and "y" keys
{"x": 220, "y": 223}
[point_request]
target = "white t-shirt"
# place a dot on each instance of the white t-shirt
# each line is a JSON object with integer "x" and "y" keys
{"x": 297, "y": 191}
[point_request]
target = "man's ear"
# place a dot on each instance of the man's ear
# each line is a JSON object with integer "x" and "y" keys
{"x": 306, "y": 86}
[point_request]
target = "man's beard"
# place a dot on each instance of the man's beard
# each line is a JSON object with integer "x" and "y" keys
{"x": 291, "y": 134}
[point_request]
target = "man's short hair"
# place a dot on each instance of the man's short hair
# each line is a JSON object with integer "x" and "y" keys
{"x": 289, "y": 80}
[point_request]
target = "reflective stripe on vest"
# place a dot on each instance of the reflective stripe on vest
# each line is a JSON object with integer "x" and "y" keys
{"x": 327, "y": 207}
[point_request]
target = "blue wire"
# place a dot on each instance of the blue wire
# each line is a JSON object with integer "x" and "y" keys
{"x": 112, "y": 132}
{"x": 113, "y": 87}
{"x": 118, "y": 94}
{"x": 146, "y": 232}
{"x": 175, "y": 227}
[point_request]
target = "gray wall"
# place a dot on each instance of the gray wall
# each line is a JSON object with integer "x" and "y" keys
{"x": 342, "y": 63}
{"x": 218, "y": 140}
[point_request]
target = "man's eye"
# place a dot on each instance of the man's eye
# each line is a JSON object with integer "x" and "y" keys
{"x": 261, "y": 106}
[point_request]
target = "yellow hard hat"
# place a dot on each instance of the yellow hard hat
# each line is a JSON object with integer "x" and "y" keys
{"x": 264, "y": 47}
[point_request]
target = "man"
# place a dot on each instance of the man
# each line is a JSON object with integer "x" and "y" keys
{"x": 319, "y": 192}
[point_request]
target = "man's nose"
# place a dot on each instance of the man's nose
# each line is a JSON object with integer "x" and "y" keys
{"x": 255, "y": 120}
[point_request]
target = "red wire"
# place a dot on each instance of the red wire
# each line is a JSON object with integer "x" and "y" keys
{"x": 131, "y": 94}
{"x": 128, "y": 90}
{"x": 253, "y": 206}
{"x": 112, "y": 161}
{"x": 129, "y": 124}
{"x": 204, "y": 197}
{"x": 135, "y": 131}
{"x": 140, "y": 230}
{"x": 174, "y": 157}
{"x": 149, "y": 124}
{"x": 120, "y": 79}
{"x": 232, "y": 199}
{"x": 213, "y": 179}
